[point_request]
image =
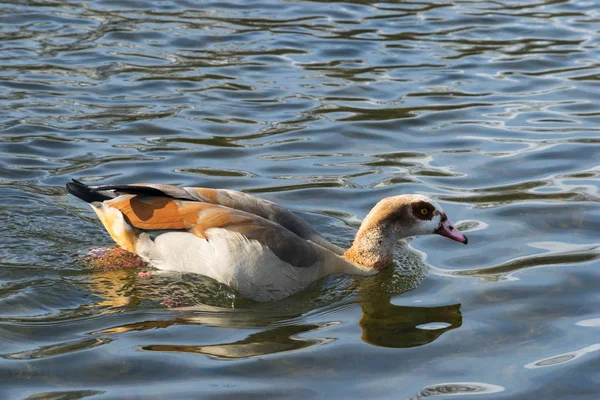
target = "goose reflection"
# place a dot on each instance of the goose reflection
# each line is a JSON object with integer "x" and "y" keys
{"x": 383, "y": 324}
{"x": 270, "y": 341}
{"x": 399, "y": 326}
{"x": 283, "y": 325}
{"x": 388, "y": 325}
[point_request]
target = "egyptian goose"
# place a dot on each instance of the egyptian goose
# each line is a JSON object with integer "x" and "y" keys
{"x": 255, "y": 246}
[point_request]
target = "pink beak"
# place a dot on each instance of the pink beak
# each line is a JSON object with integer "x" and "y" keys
{"x": 450, "y": 231}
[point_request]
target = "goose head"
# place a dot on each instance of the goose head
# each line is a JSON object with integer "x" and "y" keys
{"x": 395, "y": 218}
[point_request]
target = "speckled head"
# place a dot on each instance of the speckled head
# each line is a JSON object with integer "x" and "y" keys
{"x": 414, "y": 215}
{"x": 395, "y": 218}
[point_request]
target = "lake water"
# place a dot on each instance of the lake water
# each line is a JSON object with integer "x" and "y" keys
{"x": 490, "y": 107}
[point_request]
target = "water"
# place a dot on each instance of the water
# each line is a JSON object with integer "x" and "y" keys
{"x": 324, "y": 107}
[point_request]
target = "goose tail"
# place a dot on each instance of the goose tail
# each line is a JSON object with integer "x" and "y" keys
{"x": 87, "y": 193}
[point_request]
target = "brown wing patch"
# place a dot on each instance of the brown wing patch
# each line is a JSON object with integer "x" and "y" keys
{"x": 161, "y": 213}
{"x": 234, "y": 200}
{"x": 158, "y": 213}
{"x": 423, "y": 210}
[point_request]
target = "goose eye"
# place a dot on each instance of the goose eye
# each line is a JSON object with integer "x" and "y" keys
{"x": 424, "y": 211}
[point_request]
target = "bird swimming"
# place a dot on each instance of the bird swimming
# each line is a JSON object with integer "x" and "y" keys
{"x": 255, "y": 246}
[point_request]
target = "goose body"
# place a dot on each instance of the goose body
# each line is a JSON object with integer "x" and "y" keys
{"x": 257, "y": 247}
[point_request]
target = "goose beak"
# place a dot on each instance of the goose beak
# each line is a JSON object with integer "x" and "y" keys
{"x": 447, "y": 229}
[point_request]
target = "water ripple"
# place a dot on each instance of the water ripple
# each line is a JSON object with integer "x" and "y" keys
{"x": 325, "y": 107}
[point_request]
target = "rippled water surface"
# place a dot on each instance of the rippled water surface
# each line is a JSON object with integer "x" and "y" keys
{"x": 491, "y": 107}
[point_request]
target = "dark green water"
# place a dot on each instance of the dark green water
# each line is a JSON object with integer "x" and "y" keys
{"x": 325, "y": 107}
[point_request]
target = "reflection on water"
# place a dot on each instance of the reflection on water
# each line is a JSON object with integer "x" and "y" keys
{"x": 57, "y": 349}
{"x": 206, "y": 302}
{"x": 325, "y": 107}
{"x": 271, "y": 341}
{"x": 394, "y": 326}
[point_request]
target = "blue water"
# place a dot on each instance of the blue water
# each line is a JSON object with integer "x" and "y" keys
{"x": 324, "y": 107}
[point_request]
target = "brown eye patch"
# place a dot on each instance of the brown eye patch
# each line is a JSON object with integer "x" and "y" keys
{"x": 423, "y": 210}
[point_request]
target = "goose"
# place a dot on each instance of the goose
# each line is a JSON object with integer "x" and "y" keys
{"x": 260, "y": 249}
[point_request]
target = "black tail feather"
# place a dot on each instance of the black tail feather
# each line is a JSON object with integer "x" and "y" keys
{"x": 107, "y": 192}
{"x": 85, "y": 192}
{"x": 131, "y": 189}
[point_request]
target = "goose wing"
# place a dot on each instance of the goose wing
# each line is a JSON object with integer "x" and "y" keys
{"x": 147, "y": 213}
{"x": 231, "y": 199}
